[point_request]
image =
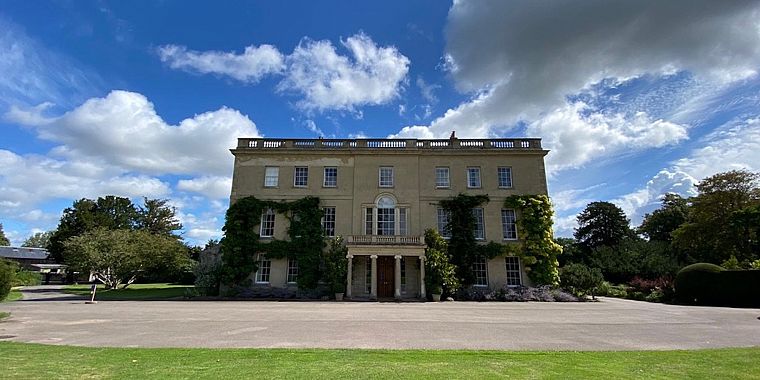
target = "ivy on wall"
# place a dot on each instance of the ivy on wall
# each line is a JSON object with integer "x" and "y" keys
{"x": 241, "y": 242}
{"x": 462, "y": 247}
{"x": 534, "y": 226}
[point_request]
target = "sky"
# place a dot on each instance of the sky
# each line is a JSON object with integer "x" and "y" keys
{"x": 634, "y": 99}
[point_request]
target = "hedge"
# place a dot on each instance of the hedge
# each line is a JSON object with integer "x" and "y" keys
{"x": 709, "y": 284}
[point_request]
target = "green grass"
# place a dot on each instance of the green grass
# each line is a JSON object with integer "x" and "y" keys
{"x": 14, "y": 295}
{"x": 4, "y": 315}
{"x": 28, "y": 361}
{"x": 133, "y": 292}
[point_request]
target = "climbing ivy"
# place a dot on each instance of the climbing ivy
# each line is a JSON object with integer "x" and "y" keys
{"x": 462, "y": 247}
{"x": 539, "y": 251}
{"x": 241, "y": 242}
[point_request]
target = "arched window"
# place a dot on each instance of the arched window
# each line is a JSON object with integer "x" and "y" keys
{"x": 385, "y": 217}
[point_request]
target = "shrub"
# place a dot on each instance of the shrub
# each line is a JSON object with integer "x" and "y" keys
{"x": 544, "y": 293}
{"x": 208, "y": 276}
{"x": 581, "y": 280}
{"x": 708, "y": 284}
{"x": 693, "y": 283}
{"x": 7, "y": 276}
{"x": 27, "y": 278}
{"x": 647, "y": 286}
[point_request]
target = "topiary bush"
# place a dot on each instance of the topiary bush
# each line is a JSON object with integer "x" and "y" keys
{"x": 695, "y": 284}
{"x": 709, "y": 284}
{"x": 7, "y": 276}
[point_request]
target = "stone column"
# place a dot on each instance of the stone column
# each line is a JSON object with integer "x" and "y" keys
{"x": 422, "y": 277}
{"x": 349, "y": 275}
{"x": 373, "y": 289}
{"x": 397, "y": 277}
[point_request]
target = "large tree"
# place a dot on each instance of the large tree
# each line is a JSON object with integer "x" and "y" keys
{"x": 602, "y": 224}
{"x": 157, "y": 217}
{"x": 118, "y": 257}
{"x": 3, "y": 240}
{"x": 713, "y": 231}
{"x": 660, "y": 224}
{"x": 38, "y": 240}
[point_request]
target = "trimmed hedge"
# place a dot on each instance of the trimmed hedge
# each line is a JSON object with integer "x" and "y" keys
{"x": 709, "y": 284}
{"x": 7, "y": 275}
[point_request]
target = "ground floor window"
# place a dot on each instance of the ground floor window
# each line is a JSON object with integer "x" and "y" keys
{"x": 480, "y": 270}
{"x": 292, "y": 270}
{"x": 513, "y": 271}
{"x": 265, "y": 267}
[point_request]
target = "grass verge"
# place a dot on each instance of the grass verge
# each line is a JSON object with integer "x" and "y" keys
{"x": 4, "y": 315}
{"x": 133, "y": 292}
{"x": 14, "y": 295}
{"x": 22, "y": 361}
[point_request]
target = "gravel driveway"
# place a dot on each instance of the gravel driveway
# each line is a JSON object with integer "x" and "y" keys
{"x": 46, "y": 316}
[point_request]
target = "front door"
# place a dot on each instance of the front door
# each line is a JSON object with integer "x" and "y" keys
{"x": 385, "y": 280}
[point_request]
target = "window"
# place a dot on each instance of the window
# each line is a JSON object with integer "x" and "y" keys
{"x": 267, "y": 223}
{"x": 331, "y": 177}
{"x": 292, "y": 271}
{"x": 368, "y": 275}
{"x": 386, "y": 176}
{"x": 265, "y": 267}
{"x": 505, "y": 176}
{"x": 473, "y": 178}
{"x": 368, "y": 221}
{"x": 301, "y": 176}
{"x": 480, "y": 231}
{"x": 480, "y": 270}
{"x": 402, "y": 222}
{"x": 442, "y": 177}
{"x": 328, "y": 221}
{"x": 386, "y": 221}
{"x": 271, "y": 176}
{"x": 443, "y": 218}
{"x": 513, "y": 271}
{"x": 508, "y": 224}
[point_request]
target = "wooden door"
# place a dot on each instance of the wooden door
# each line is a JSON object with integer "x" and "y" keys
{"x": 385, "y": 280}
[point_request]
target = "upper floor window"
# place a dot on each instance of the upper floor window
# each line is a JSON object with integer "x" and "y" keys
{"x": 505, "y": 176}
{"x": 328, "y": 221}
{"x": 442, "y": 177}
{"x": 267, "y": 223}
{"x": 271, "y": 176}
{"x": 385, "y": 218}
{"x": 292, "y": 271}
{"x": 513, "y": 271}
{"x": 301, "y": 176}
{"x": 386, "y": 176}
{"x": 443, "y": 216}
{"x": 265, "y": 268}
{"x": 331, "y": 177}
{"x": 480, "y": 230}
{"x": 480, "y": 270}
{"x": 473, "y": 177}
{"x": 509, "y": 224}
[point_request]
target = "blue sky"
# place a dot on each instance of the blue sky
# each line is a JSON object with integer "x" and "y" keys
{"x": 634, "y": 98}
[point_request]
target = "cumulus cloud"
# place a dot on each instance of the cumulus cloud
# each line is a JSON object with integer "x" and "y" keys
{"x": 330, "y": 81}
{"x": 213, "y": 187}
{"x": 124, "y": 130}
{"x": 253, "y": 64}
{"x": 521, "y": 60}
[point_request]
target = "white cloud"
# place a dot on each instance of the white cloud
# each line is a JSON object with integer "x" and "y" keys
{"x": 522, "y": 59}
{"x": 330, "y": 81}
{"x": 124, "y": 130}
{"x": 250, "y": 66}
{"x": 213, "y": 187}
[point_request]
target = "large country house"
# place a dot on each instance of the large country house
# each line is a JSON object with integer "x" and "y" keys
{"x": 381, "y": 195}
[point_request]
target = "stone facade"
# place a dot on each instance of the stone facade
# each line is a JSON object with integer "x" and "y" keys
{"x": 382, "y": 194}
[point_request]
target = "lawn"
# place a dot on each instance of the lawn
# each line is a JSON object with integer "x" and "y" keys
{"x": 23, "y": 361}
{"x": 14, "y": 295}
{"x": 133, "y": 292}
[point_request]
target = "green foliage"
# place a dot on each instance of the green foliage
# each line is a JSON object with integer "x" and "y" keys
{"x": 581, "y": 280}
{"x": 157, "y": 217}
{"x": 731, "y": 263}
{"x": 462, "y": 246}
{"x": 7, "y": 276}
{"x": 539, "y": 250}
{"x": 755, "y": 264}
{"x": 660, "y": 224}
{"x": 708, "y": 284}
{"x": 27, "y": 278}
{"x": 602, "y": 224}
{"x": 241, "y": 242}
{"x": 440, "y": 273}
{"x": 634, "y": 257}
{"x": 693, "y": 282}
{"x": 117, "y": 257}
{"x": 38, "y": 240}
{"x": 336, "y": 265}
{"x": 723, "y": 219}
{"x": 3, "y": 239}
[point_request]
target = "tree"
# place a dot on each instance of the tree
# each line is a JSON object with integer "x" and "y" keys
{"x": 156, "y": 217}
{"x": 76, "y": 220}
{"x": 440, "y": 273}
{"x": 3, "y": 240}
{"x": 7, "y": 275}
{"x": 580, "y": 279}
{"x": 714, "y": 230}
{"x": 660, "y": 224}
{"x": 38, "y": 240}
{"x": 118, "y": 256}
{"x": 602, "y": 224}
{"x": 336, "y": 265}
